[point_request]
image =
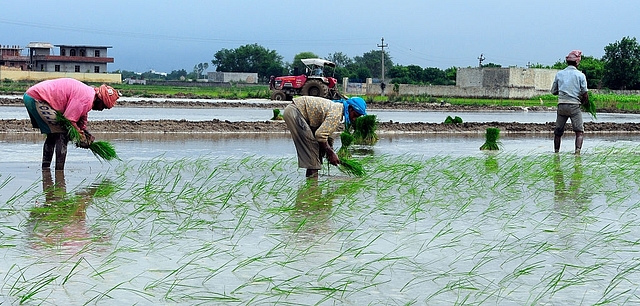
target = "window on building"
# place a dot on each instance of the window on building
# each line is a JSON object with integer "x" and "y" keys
{"x": 72, "y": 52}
{"x": 96, "y": 53}
{"x": 83, "y": 52}
{"x": 57, "y": 68}
{"x": 63, "y": 52}
{"x": 96, "y": 69}
{"x": 77, "y": 68}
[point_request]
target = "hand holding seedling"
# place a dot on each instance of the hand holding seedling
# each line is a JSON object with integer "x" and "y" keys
{"x": 332, "y": 157}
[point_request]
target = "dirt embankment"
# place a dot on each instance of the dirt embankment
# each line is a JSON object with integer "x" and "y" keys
{"x": 218, "y": 126}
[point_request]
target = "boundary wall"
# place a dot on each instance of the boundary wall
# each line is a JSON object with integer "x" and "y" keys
{"x": 114, "y": 78}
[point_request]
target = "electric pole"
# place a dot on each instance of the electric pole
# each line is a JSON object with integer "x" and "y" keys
{"x": 481, "y": 58}
{"x": 382, "y": 45}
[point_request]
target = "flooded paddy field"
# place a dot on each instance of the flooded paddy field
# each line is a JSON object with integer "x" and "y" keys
{"x": 262, "y": 114}
{"x": 205, "y": 219}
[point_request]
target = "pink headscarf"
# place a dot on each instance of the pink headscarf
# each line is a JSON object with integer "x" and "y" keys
{"x": 575, "y": 56}
{"x": 107, "y": 94}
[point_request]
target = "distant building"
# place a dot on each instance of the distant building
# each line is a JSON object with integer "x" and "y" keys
{"x": 11, "y": 58}
{"x": 71, "y": 58}
{"x": 226, "y": 77}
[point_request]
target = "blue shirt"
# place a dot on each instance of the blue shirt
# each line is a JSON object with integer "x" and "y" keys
{"x": 569, "y": 85}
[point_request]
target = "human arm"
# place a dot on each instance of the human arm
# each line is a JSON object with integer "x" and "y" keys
{"x": 554, "y": 87}
{"x": 331, "y": 155}
{"x": 584, "y": 98}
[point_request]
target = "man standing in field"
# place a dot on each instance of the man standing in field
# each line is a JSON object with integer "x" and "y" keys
{"x": 312, "y": 120}
{"x": 570, "y": 85}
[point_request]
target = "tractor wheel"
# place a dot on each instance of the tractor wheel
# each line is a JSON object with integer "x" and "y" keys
{"x": 278, "y": 95}
{"x": 315, "y": 88}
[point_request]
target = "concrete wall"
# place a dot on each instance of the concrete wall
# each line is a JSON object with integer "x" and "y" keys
{"x": 41, "y": 76}
{"x": 492, "y": 83}
{"x": 67, "y": 66}
{"x": 226, "y": 77}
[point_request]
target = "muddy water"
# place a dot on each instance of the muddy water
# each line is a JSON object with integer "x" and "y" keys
{"x": 21, "y": 153}
{"x": 257, "y": 114}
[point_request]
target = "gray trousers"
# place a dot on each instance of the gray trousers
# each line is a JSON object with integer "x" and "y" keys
{"x": 566, "y": 111}
{"x": 303, "y": 137}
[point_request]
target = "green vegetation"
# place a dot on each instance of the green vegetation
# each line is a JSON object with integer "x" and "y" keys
{"x": 480, "y": 229}
{"x": 277, "y": 115}
{"x": 450, "y": 120}
{"x": 364, "y": 130}
{"x": 101, "y": 149}
{"x": 491, "y": 143}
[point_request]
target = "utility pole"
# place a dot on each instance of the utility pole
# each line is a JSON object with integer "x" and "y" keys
{"x": 382, "y": 45}
{"x": 481, "y": 58}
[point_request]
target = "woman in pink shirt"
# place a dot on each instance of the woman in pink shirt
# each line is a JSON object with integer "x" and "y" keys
{"x": 74, "y": 100}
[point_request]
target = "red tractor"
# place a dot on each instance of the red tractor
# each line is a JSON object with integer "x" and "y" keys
{"x": 311, "y": 83}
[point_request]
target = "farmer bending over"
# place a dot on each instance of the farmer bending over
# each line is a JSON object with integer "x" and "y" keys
{"x": 570, "y": 85}
{"x": 312, "y": 120}
{"x": 74, "y": 100}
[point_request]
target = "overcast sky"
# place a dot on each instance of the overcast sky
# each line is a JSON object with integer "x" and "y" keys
{"x": 167, "y": 35}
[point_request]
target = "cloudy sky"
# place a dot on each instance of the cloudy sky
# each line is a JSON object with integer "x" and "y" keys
{"x": 166, "y": 35}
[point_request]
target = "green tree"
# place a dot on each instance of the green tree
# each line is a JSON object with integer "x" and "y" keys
{"x": 127, "y": 74}
{"x": 451, "y": 73}
{"x": 340, "y": 59}
{"x": 491, "y": 65}
{"x": 622, "y": 64}
{"x": 372, "y": 61}
{"x": 177, "y": 75}
{"x": 593, "y": 69}
{"x": 297, "y": 64}
{"x": 248, "y": 58}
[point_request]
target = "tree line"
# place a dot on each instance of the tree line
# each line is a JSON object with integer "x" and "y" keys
{"x": 619, "y": 68}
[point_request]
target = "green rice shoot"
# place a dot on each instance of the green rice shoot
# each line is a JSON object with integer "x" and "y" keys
{"x": 351, "y": 167}
{"x": 101, "y": 149}
{"x": 277, "y": 115}
{"x": 590, "y": 108}
{"x": 346, "y": 139}
{"x": 364, "y": 130}
{"x": 450, "y": 120}
{"x": 491, "y": 143}
{"x": 73, "y": 134}
{"x": 104, "y": 149}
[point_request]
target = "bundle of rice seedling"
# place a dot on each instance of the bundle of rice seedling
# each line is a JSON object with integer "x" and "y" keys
{"x": 104, "y": 149}
{"x": 277, "y": 115}
{"x": 450, "y": 120}
{"x": 351, "y": 167}
{"x": 364, "y": 130}
{"x": 590, "y": 108}
{"x": 491, "y": 142}
{"x": 345, "y": 139}
{"x": 101, "y": 149}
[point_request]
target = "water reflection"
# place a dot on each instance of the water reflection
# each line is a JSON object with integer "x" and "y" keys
{"x": 60, "y": 223}
{"x": 571, "y": 199}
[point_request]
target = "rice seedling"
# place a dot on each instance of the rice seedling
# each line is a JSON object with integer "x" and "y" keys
{"x": 436, "y": 230}
{"x": 590, "y": 108}
{"x": 277, "y": 115}
{"x": 101, "y": 149}
{"x": 491, "y": 143}
{"x": 351, "y": 167}
{"x": 450, "y": 120}
{"x": 364, "y": 130}
{"x": 346, "y": 139}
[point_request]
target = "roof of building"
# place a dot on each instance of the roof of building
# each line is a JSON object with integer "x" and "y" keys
{"x": 40, "y": 45}
{"x": 83, "y": 46}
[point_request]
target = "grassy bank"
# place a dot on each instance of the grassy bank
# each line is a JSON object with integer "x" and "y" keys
{"x": 602, "y": 101}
